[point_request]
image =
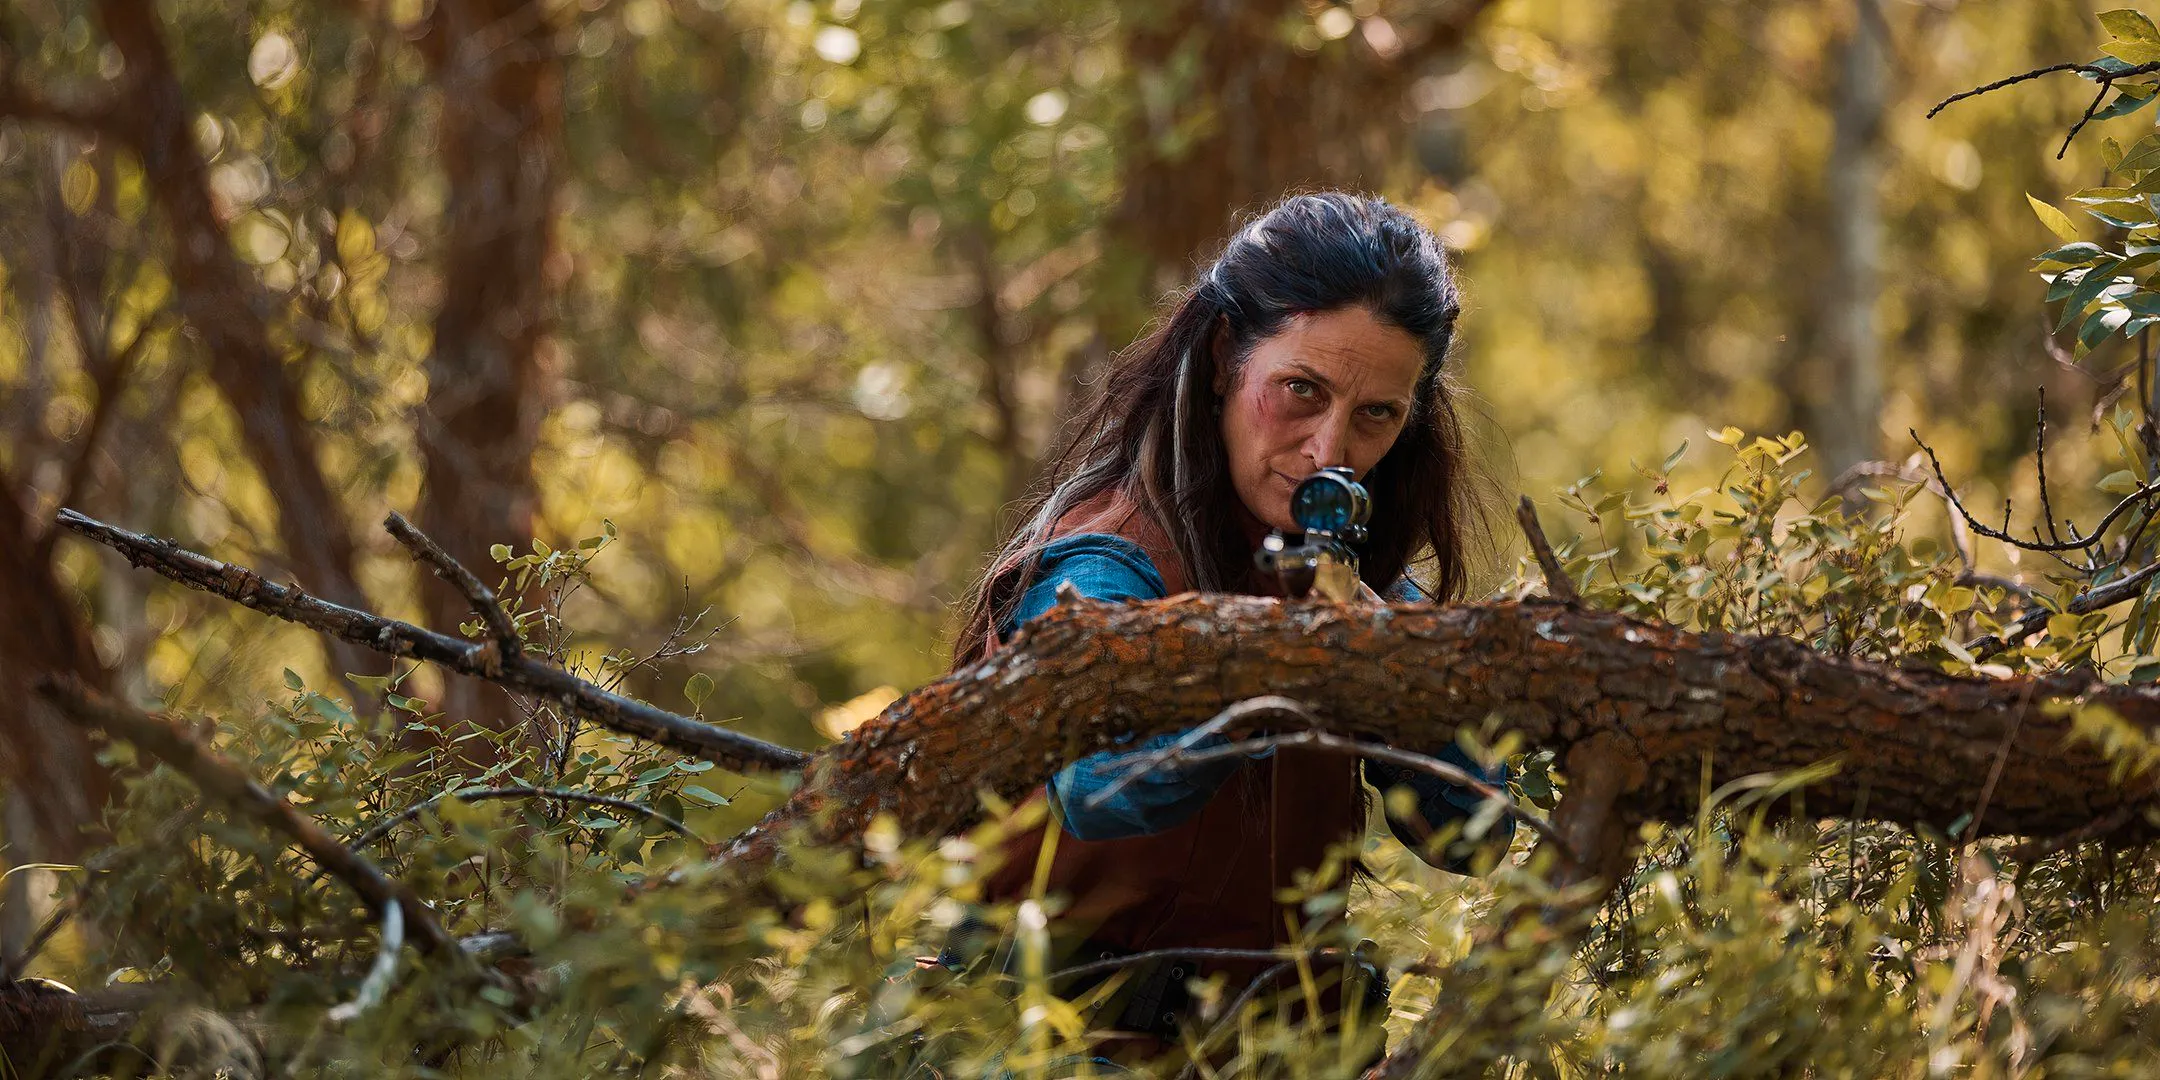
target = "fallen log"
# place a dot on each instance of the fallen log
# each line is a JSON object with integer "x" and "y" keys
{"x": 1921, "y": 744}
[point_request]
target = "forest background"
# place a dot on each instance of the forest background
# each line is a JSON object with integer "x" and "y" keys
{"x": 780, "y": 302}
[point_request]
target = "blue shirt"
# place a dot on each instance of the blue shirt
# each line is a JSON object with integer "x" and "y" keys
{"x": 1104, "y": 567}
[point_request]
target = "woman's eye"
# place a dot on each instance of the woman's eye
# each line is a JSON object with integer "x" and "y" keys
{"x": 1380, "y": 412}
{"x": 1301, "y": 388}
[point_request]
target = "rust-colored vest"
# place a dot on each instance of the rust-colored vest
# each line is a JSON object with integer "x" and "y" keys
{"x": 1212, "y": 881}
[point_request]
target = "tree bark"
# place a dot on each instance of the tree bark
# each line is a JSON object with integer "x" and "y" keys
{"x": 499, "y": 72}
{"x": 1920, "y": 743}
{"x": 1282, "y": 119}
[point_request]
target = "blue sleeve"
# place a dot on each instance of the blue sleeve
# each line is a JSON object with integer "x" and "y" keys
{"x": 1106, "y": 567}
{"x": 1441, "y": 805}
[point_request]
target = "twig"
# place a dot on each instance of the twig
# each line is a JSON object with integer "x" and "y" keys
{"x": 482, "y": 794}
{"x": 2107, "y": 82}
{"x": 481, "y": 597}
{"x": 2003, "y": 83}
{"x": 381, "y": 974}
{"x": 1557, "y": 581}
{"x": 1321, "y": 740}
{"x": 2105, "y": 77}
{"x": 1238, "y": 710}
{"x": 225, "y": 782}
{"x": 391, "y": 637}
{"x": 2047, "y": 509}
{"x": 2075, "y": 543}
{"x": 2108, "y": 595}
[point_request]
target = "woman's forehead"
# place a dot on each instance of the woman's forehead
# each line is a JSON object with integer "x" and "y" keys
{"x": 1349, "y": 345}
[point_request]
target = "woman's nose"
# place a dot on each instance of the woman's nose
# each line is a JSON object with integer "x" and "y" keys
{"x": 1325, "y": 446}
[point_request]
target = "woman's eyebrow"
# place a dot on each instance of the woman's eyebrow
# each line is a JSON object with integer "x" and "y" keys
{"x": 1308, "y": 373}
{"x": 1311, "y": 374}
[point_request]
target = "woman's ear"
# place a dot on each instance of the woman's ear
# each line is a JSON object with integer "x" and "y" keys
{"x": 1219, "y": 352}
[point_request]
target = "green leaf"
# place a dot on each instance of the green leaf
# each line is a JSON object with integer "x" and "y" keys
{"x": 2078, "y": 254}
{"x": 499, "y": 552}
{"x": 2096, "y": 281}
{"x": 2099, "y": 326}
{"x": 2097, "y": 196}
{"x": 2129, "y": 24}
{"x": 2139, "y": 261}
{"x": 2134, "y": 96}
{"x": 2119, "y": 482}
{"x": 2143, "y": 154}
{"x": 699, "y": 791}
{"x": 373, "y": 684}
{"x": 2132, "y": 52}
{"x": 1673, "y": 458}
{"x": 698, "y": 688}
{"x": 2124, "y": 215}
{"x": 2063, "y": 284}
{"x": 293, "y": 681}
{"x": 2056, "y": 221}
{"x": 328, "y": 709}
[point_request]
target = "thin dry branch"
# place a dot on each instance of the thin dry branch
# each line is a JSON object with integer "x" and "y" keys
{"x": 482, "y": 598}
{"x": 1236, "y": 712}
{"x": 2108, "y": 595}
{"x": 225, "y": 782}
{"x": 1175, "y": 757}
{"x": 391, "y": 637}
{"x": 2105, "y": 77}
{"x": 1557, "y": 581}
{"x": 2143, "y": 496}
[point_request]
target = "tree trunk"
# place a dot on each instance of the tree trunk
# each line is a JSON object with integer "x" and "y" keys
{"x": 497, "y": 67}
{"x": 1282, "y": 119}
{"x": 1850, "y": 417}
{"x": 220, "y": 300}
{"x": 47, "y": 763}
{"x": 1920, "y": 744}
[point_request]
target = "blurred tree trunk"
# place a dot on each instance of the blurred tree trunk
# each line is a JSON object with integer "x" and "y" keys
{"x": 55, "y": 786}
{"x": 498, "y": 68}
{"x": 221, "y": 302}
{"x": 1849, "y": 419}
{"x": 1233, "y": 115}
{"x": 48, "y": 764}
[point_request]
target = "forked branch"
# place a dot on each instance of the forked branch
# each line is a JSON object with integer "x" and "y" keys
{"x": 392, "y": 637}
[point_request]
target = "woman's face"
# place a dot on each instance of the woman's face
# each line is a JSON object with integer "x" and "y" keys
{"x": 1333, "y": 388}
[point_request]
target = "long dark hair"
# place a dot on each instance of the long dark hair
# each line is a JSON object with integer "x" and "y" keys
{"x": 1153, "y": 431}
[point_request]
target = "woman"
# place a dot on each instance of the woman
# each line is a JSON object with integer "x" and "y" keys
{"x": 1318, "y": 338}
